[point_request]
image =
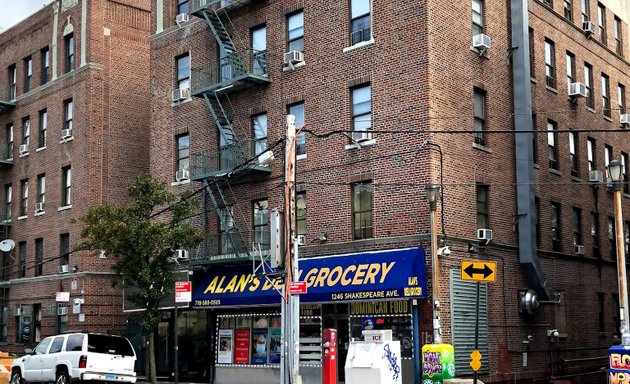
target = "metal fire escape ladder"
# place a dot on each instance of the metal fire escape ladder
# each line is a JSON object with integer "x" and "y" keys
{"x": 225, "y": 42}
{"x": 233, "y": 151}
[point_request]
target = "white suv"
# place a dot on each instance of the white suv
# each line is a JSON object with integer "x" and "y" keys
{"x": 77, "y": 356}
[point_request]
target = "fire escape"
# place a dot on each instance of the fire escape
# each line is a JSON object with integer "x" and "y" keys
{"x": 6, "y": 161}
{"x": 237, "y": 154}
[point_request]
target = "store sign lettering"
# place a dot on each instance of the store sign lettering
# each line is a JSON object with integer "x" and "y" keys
{"x": 619, "y": 378}
{"x": 379, "y": 307}
{"x": 619, "y": 361}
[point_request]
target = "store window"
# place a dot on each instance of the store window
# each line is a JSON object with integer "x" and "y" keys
{"x": 384, "y": 315}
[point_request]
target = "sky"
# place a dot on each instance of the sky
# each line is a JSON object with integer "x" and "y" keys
{"x": 14, "y": 11}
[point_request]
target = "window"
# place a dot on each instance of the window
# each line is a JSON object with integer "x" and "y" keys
{"x": 570, "y": 68}
{"x": 605, "y": 95}
{"x": 590, "y": 154}
{"x": 477, "y": 17}
{"x": 69, "y": 50}
{"x": 261, "y": 224}
{"x": 9, "y": 141}
{"x": 12, "y": 82}
{"x": 26, "y": 131}
{"x": 24, "y": 197}
{"x": 624, "y": 172}
{"x": 362, "y": 210}
{"x": 8, "y": 200}
{"x": 67, "y": 114}
{"x": 621, "y": 93}
{"x": 556, "y": 243}
{"x": 573, "y": 153}
{"x": 612, "y": 239}
{"x": 362, "y": 110}
{"x": 601, "y": 322}
{"x": 568, "y": 10}
{"x": 479, "y": 107}
{"x": 601, "y": 21}
{"x": 360, "y": 20}
{"x": 297, "y": 110}
{"x": 537, "y": 211}
{"x": 259, "y": 50}
{"x": 56, "y": 345}
{"x": 183, "y": 152}
{"x": 607, "y": 155}
{"x": 259, "y": 132}
{"x": 41, "y": 188}
{"x": 182, "y": 6}
{"x": 300, "y": 204}
{"x": 532, "y": 54}
{"x": 577, "y": 226}
{"x": 588, "y": 83}
{"x": 482, "y": 206}
{"x": 585, "y": 11}
{"x": 45, "y": 64}
{"x": 595, "y": 234}
{"x": 183, "y": 71}
{"x": 295, "y": 31}
{"x": 22, "y": 261}
{"x": 64, "y": 249}
{"x": 548, "y": 3}
{"x": 226, "y": 225}
{"x": 552, "y": 127}
{"x": 66, "y": 186}
{"x": 534, "y": 139}
{"x": 43, "y": 126}
{"x": 39, "y": 257}
{"x": 28, "y": 73}
{"x": 550, "y": 63}
{"x": 618, "y": 37}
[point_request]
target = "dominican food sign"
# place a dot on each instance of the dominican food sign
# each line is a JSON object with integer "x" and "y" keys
{"x": 384, "y": 275}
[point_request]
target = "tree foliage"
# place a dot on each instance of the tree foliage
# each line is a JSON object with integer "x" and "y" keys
{"x": 143, "y": 235}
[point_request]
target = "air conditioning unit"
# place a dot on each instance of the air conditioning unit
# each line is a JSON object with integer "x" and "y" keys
{"x": 181, "y": 94}
{"x": 589, "y": 28}
{"x": 360, "y": 136}
{"x": 182, "y": 174}
{"x": 624, "y": 118}
{"x": 39, "y": 207}
{"x": 62, "y": 310}
{"x": 578, "y": 249}
{"x": 23, "y": 149}
{"x": 577, "y": 90}
{"x": 66, "y": 133}
{"x": 17, "y": 311}
{"x": 182, "y": 18}
{"x": 484, "y": 234}
{"x": 481, "y": 41}
{"x": 181, "y": 254}
{"x": 293, "y": 57}
{"x": 595, "y": 176}
{"x": 301, "y": 240}
{"x": 63, "y": 268}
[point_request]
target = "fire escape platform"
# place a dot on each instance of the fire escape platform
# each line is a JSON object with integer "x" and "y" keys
{"x": 6, "y": 105}
{"x": 235, "y": 84}
{"x": 198, "y": 7}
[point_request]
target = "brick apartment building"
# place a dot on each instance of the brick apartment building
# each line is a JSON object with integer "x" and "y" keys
{"x": 74, "y": 134}
{"x": 394, "y": 96}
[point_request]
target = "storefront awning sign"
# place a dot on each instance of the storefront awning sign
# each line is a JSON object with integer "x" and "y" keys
{"x": 384, "y": 275}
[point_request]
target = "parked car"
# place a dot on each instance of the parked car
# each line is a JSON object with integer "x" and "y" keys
{"x": 77, "y": 357}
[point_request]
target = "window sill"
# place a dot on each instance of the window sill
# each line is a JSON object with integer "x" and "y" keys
{"x": 301, "y": 157}
{"x": 536, "y": 166}
{"x": 552, "y": 89}
{"x": 291, "y": 68}
{"x": 478, "y": 52}
{"x": 359, "y": 45}
{"x": 577, "y": 179}
{"x": 25, "y": 154}
{"x": 62, "y": 141}
{"x": 65, "y": 207}
{"x": 178, "y": 103}
{"x": 39, "y": 213}
{"x": 367, "y": 143}
{"x": 591, "y": 109}
{"x": 183, "y": 182}
{"x": 608, "y": 118}
{"x": 22, "y": 217}
{"x": 555, "y": 172}
{"x": 482, "y": 148}
{"x": 40, "y": 148}
{"x": 534, "y": 81}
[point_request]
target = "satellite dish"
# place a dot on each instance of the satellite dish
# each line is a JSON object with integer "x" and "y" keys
{"x": 7, "y": 245}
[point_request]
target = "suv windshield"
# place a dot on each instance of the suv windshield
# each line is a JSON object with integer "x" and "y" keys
{"x": 112, "y": 345}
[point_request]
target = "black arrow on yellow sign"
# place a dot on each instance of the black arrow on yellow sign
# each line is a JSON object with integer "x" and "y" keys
{"x": 479, "y": 270}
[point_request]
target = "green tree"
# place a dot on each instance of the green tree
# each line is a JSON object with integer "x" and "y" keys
{"x": 144, "y": 234}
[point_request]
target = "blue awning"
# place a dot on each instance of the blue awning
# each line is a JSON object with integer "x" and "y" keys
{"x": 383, "y": 275}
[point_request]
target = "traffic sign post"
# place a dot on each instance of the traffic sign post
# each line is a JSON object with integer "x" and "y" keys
{"x": 481, "y": 272}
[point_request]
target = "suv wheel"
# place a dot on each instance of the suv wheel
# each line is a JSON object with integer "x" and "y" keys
{"x": 16, "y": 377}
{"x": 62, "y": 377}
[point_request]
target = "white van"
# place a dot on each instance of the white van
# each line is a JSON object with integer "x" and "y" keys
{"x": 77, "y": 356}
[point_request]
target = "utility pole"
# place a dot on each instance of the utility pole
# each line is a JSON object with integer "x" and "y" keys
{"x": 290, "y": 303}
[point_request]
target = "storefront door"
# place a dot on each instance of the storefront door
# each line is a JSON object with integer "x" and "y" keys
{"x": 336, "y": 316}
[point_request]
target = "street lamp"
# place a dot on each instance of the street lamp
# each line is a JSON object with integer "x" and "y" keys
{"x": 614, "y": 172}
{"x": 432, "y": 195}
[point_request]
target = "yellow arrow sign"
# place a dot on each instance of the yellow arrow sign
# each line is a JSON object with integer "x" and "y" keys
{"x": 475, "y": 362}
{"x": 479, "y": 270}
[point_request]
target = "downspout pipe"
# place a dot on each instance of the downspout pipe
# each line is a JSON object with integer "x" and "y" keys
{"x": 523, "y": 150}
